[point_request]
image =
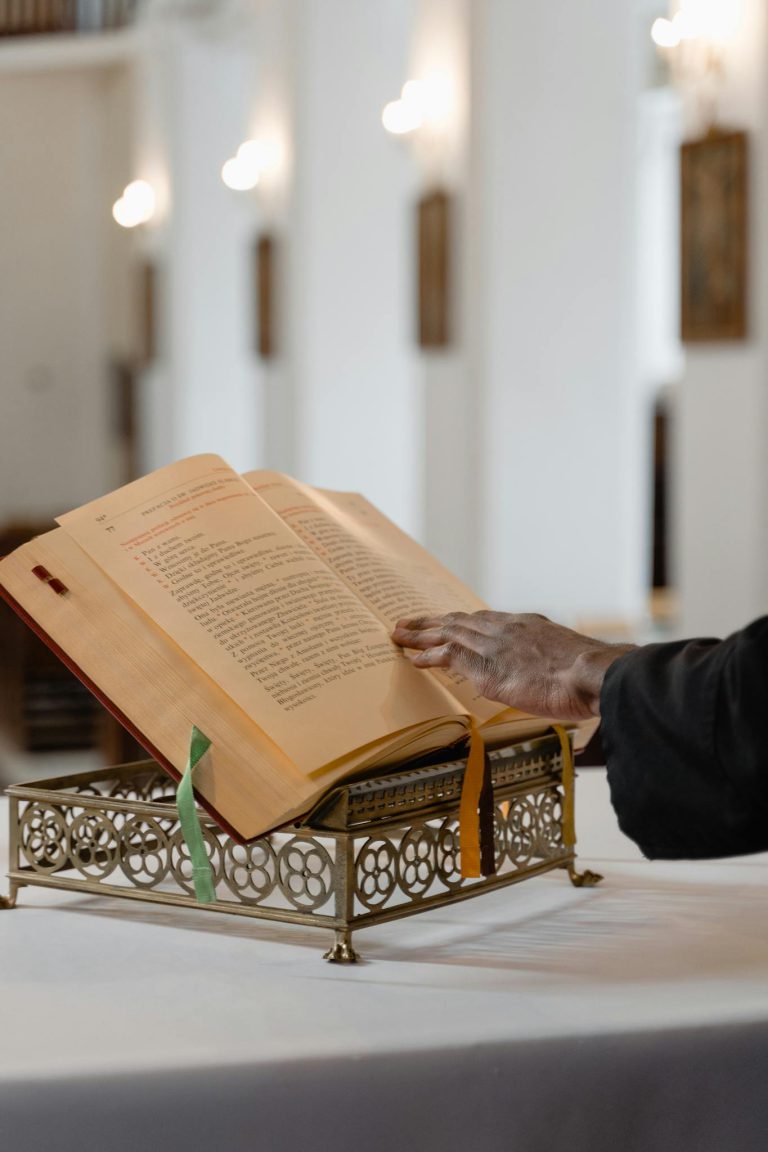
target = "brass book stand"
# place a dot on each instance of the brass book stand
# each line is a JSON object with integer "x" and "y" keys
{"x": 370, "y": 851}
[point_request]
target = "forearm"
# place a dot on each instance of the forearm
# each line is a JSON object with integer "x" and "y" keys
{"x": 684, "y": 748}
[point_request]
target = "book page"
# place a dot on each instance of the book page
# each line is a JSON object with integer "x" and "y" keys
{"x": 234, "y": 586}
{"x": 389, "y": 571}
{"x": 246, "y": 780}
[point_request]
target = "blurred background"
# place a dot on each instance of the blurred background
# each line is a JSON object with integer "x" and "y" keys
{"x": 501, "y": 266}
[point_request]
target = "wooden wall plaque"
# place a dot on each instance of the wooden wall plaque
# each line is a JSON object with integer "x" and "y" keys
{"x": 434, "y": 254}
{"x": 713, "y": 237}
{"x": 147, "y": 312}
{"x": 265, "y": 293}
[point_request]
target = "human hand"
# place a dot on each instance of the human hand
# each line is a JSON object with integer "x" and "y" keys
{"x": 525, "y": 661}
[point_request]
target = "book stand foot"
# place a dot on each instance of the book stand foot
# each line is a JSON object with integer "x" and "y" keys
{"x": 371, "y": 851}
{"x": 342, "y": 951}
{"x": 585, "y": 879}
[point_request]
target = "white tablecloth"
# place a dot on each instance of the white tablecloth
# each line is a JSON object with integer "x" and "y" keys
{"x": 632, "y": 1016}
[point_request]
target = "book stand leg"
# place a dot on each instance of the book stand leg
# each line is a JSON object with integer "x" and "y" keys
{"x": 585, "y": 879}
{"x": 341, "y": 951}
{"x": 372, "y": 851}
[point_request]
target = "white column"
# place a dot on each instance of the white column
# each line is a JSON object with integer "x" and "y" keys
{"x": 722, "y": 492}
{"x": 356, "y": 406}
{"x": 441, "y": 43}
{"x": 275, "y": 35}
{"x": 565, "y": 475}
{"x": 203, "y": 394}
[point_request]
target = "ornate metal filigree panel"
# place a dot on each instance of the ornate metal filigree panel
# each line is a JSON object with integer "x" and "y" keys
{"x": 379, "y": 849}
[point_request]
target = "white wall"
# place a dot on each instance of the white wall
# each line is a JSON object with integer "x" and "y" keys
{"x": 564, "y": 442}
{"x": 63, "y": 137}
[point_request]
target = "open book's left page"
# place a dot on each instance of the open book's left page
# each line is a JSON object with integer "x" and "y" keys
{"x": 249, "y": 784}
{"x": 251, "y": 605}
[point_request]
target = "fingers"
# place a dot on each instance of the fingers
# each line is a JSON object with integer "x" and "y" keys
{"x": 444, "y": 642}
{"x": 418, "y": 638}
{"x": 438, "y": 657}
{"x": 484, "y": 622}
{"x": 444, "y": 633}
{"x": 419, "y": 623}
{"x": 454, "y": 656}
{"x": 477, "y": 622}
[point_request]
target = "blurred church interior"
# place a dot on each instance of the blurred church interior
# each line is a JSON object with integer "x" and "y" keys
{"x": 428, "y": 250}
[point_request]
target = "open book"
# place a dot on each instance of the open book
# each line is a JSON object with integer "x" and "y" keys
{"x": 259, "y": 610}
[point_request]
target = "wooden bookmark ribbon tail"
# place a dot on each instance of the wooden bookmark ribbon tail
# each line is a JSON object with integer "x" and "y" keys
{"x": 189, "y": 820}
{"x": 478, "y": 855}
{"x": 569, "y": 779}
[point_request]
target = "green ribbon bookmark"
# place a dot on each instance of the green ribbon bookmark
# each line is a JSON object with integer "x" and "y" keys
{"x": 189, "y": 819}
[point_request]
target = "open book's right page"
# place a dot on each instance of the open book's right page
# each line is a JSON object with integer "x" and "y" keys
{"x": 388, "y": 570}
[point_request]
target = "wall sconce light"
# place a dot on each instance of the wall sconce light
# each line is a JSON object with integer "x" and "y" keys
{"x": 692, "y": 40}
{"x": 711, "y": 20}
{"x": 136, "y": 205}
{"x": 242, "y": 171}
{"x": 425, "y": 112}
{"x": 423, "y": 104}
{"x": 254, "y": 160}
{"x": 262, "y": 162}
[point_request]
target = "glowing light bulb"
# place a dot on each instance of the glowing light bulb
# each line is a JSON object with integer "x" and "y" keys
{"x": 401, "y": 116}
{"x": 136, "y": 205}
{"x": 251, "y": 154}
{"x": 123, "y": 214}
{"x": 412, "y": 94}
{"x": 664, "y": 33}
{"x": 239, "y": 175}
{"x": 141, "y": 197}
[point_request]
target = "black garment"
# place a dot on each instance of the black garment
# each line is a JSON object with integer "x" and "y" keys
{"x": 684, "y": 730}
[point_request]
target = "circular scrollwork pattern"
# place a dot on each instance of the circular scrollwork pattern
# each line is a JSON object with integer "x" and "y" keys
{"x": 550, "y": 820}
{"x": 376, "y": 872}
{"x": 305, "y": 873}
{"x": 181, "y": 863}
{"x": 500, "y": 845}
{"x": 144, "y": 853}
{"x": 93, "y": 845}
{"x": 250, "y": 870}
{"x": 43, "y": 834}
{"x": 416, "y": 866}
{"x": 521, "y": 831}
{"x": 448, "y": 853}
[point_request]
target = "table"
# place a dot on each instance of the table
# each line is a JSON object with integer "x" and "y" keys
{"x": 631, "y": 1017}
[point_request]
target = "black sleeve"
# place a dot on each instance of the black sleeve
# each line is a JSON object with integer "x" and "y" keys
{"x": 686, "y": 752}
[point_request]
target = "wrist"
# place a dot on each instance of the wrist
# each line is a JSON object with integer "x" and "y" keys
{"x": 589, "y": 671}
